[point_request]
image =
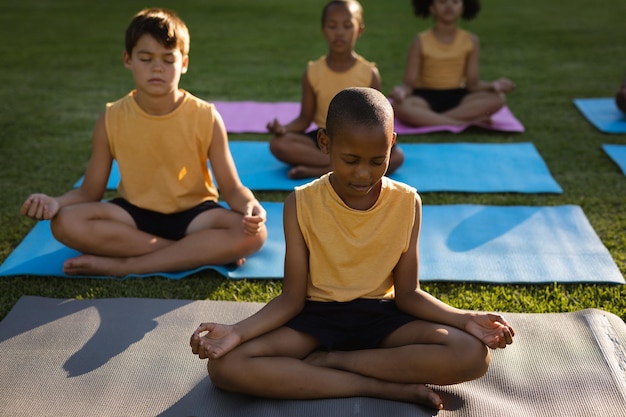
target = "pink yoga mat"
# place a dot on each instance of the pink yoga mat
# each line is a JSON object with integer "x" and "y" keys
{"x": 253, "y": 116}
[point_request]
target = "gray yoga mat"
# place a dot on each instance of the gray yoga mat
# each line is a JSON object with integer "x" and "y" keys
{"x": 130, "y": 357}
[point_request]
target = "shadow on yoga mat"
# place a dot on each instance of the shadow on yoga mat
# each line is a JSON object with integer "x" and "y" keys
{"x": 253, "y": 116}
{"x": 495, "y": 244}
{"x": 602, "y": 113}
{"x": 131, "y": 357}
{"x": 457, "y": 167}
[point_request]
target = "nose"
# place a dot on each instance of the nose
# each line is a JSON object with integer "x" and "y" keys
{"x": 362, "y": 171}
{"x": 157, "y": 66}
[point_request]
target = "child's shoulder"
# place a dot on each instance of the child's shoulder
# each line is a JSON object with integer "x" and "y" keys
{"x": 398, "y": 187}
{"x": 320, "y": 61}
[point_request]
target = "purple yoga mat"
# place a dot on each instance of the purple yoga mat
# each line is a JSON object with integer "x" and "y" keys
{"x": 253, "y": 116}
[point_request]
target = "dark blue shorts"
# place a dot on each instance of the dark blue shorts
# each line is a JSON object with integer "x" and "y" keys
{"x": 441, "y": 100}
{"x": 357, "y": 324}
{"x": 169, "y": 226}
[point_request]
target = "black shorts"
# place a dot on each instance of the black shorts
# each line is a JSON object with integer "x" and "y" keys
{"x": 312, "y": 134}
{"x": 441, "y": 100}
{"x": 357, "y": 324}
{"x": 169, "y": 226}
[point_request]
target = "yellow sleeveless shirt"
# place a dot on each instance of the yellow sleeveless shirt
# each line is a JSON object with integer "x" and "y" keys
{"x": 444, "y": 65}
{"x": 352, "y": 253}
{"x": 326, "y": 83}
{"x": 163, "y": 160}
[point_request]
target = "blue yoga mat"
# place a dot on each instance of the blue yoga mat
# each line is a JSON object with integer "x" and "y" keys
{"x": 40, "y": 254}
{"x": 457, "y": 167}
{"x": 602, "y": 113}
{"x": 493, "y": 244}
{"x": 513, "y": 244}
{"x": 617, "y": 154}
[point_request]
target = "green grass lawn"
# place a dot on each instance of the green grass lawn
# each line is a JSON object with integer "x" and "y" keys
{"x": 61, "y": 61}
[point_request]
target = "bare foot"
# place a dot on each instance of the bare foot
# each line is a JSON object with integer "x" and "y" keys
{"x": 426, "y": 396}
{"x": 483, "y": 120}
{"x": 237, "y": 263}
{"x": 304, "y": 171}
{"x": 94, "y": 265}
{"x": 410, "y": 393}
{"x": 105, "y": 266}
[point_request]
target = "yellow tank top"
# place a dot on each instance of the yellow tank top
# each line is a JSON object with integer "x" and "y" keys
{"x": 326, "y": 83}
{"x": 352, "y": 253}
{"x": 443, "y": 65}
{"x": 162, "y": 159}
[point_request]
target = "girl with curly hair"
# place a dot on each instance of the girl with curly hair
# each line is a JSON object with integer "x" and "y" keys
{"x": 442, "y": 84}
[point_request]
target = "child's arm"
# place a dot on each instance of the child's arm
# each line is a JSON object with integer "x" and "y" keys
{"x": 214, "y": 340}
{"x": 44, "y": 207}
{"x": 304, "y": 119}
{"x": 490, "y": 328}
{"x": 411, "y": 72}
{"x": 238, "y": 196}
{"x": 472, "y": 74}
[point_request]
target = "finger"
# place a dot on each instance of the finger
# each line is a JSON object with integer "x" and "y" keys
{"x": 508, "y": 336}
{"x": 42, "y": 211}
{"x": 31, "y": 207}
{"x": 26, "y": 206}
{"x": 500, "y": 319}
{"x": 204, "y": 327}
{"x": 36, "y": 211}
{"x": 193, "y": 342}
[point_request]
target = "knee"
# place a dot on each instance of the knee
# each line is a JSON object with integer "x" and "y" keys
{"x": 498, "y": 100}
{"x": 254, "y": 243}
{"x": 250, "y": 244}
{"x": 401, "y": 110}
{"x": 474, "y": 360}
{"x": 61, "y": 226}
{"x": 217, "y": 373}
{"x": 223, "y": 374}
{"x": 279, "y": 148}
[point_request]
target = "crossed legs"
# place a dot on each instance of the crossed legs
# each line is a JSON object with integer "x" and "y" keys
{"x": 475, "y": 107}
{"x": 113, "y": 246}
{"x": 284, "y": 364}
{"x": 306, "y": 159}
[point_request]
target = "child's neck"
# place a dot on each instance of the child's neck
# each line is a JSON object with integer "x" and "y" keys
{"x": 161, "y": 105}
{"x": 340, "y": 62}
{"x": 363, "y": 203}
{"x": 445, "y": 32}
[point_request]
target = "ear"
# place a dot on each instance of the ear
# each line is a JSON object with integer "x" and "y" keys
{"x": 126, "y": 59}
{"x": 361, "y": 30}
{"x": 393, "y": 139}
{"x": 323, "y": 141}
{"x": 185, "y": 66}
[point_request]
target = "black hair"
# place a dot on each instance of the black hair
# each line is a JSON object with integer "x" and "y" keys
{"x": 164, "y": 25}
{"x": 345, "y": 3}
{"x": 421, "y": 8}
{"x": 358, "y": 105}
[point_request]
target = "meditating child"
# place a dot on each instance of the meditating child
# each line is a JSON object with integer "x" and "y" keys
{"x": 442, "y": 85}
{"x": 341, "y": 67}
{"x": 166, "y": 217}
{"x": 351, "y": 319}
